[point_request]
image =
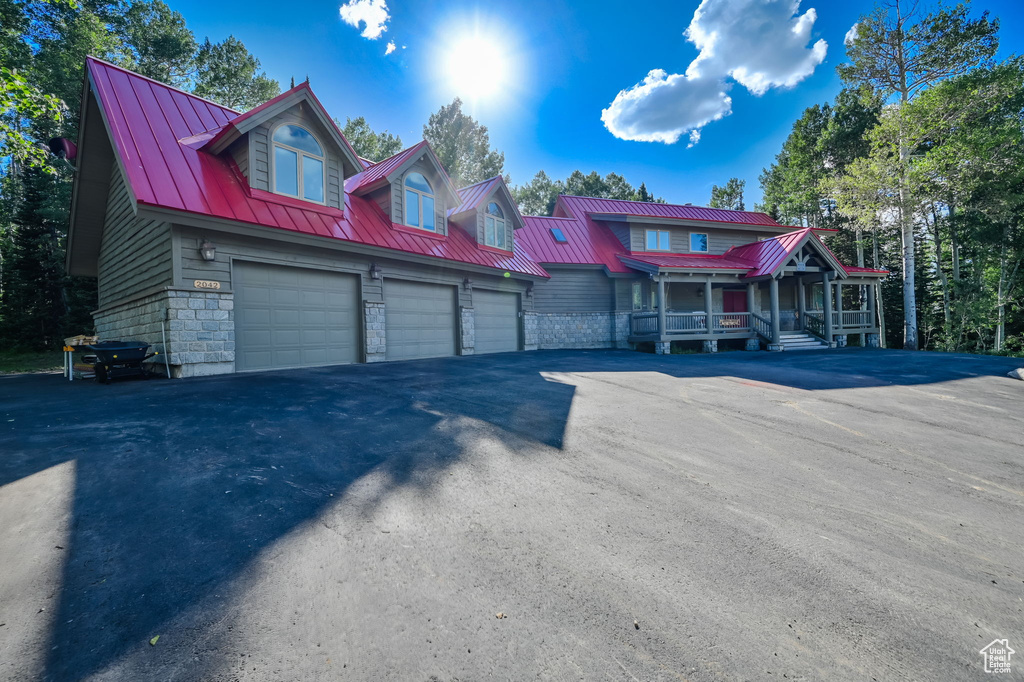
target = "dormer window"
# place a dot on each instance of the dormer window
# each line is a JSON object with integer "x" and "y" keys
{"x": 298, "y": 164}
{"x": 494, "y": 226}
{"x": 419, "y": 202}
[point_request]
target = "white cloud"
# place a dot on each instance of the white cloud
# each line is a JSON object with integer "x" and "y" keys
{"x": 372, "y": 13}
{"x": 851, "y": 35}
{"x": 390, "y": 49}
{"x": 664, "y": 106}
{"x": 760, "y": 44}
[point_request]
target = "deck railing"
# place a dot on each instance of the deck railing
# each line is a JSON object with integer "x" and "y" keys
{"x": 762, "y": 326}
{"x": 643, "y": 323}
{"x": 856, "y": 318}
{"x": 686, "y": 323}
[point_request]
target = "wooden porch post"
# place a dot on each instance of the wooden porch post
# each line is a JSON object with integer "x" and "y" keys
{"x": 708, "y": 307}
{"x": 801, "y": 300}
{"x": 827, "y": 305}
{"x": 751, "y": 288}
{"x": 776, "y": 329}
{"x": 661, "y": 307}
{"x": 839, "y": 303}
{"x": 871, "y": 303}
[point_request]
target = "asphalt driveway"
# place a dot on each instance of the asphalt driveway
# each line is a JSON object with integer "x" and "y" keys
{"x": 851, "y": 515}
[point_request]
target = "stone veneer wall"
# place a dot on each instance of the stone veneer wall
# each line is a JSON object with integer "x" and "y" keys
{"x": 576, "y": 330}
{"x": 200, "y": 329}
{"x": 467, "y": 330}
{"x": 376, "y": 341}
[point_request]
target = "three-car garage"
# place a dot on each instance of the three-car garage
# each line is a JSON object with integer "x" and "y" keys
{"x": 287, "y": 317}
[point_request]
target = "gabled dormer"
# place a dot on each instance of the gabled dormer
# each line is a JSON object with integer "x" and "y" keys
{"x": 411, "y": 188}
{"x": 289, "y": 146}
{"x": 489, "y": 213}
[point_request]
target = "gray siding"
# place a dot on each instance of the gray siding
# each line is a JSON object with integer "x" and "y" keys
{"x": 440, "y": 205}
{"x": 719, "y": 240}
{"x": 382, "y": 197}
{"x": 135, "y": 255}
{"x": 481, "y": 216}
{"x": 239, "y": 151}
{"x": 260, "y": 145}
{"x": 622, "y": 233}
{"x": 574, "y": 291}
{"x": 231, "y": 247}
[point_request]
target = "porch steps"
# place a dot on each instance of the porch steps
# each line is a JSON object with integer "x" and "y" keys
{"x": 802, "y": 341}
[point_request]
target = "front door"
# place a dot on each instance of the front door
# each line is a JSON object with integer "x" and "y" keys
{"x": 734, "y": 302}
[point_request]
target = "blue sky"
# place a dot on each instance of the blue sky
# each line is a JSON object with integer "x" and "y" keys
{"x": 560, "y": 65}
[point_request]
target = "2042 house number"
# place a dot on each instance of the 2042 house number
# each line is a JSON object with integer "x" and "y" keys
{"x": 206, "y": 284}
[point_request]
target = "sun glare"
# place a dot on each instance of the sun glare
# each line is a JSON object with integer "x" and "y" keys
{"x": 477, "y": 67}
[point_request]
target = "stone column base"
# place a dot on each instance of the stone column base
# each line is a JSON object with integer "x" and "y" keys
{"x": 376, "y": 341}
{"x": 710, "y": 346}
{"x": 467, "y": 321}
{"x": 775, "y": 347}
{"x": 872, "y": 341}
{"x": 662, "y": 347}
{"x": 530, "y": 330}
{"x": 753, "y": 344}
{"x": 840, "y": 340}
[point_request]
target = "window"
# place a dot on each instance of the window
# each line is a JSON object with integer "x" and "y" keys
{"x": 638, "y": 296}
{"x": 658, "y": 240}
{"x": 698, "y": 242}
{"x": 298, "y": 164}
{"x": 559, "y": 236}
{"x": 419, "y": 202}
{"x": 494, "y": 226}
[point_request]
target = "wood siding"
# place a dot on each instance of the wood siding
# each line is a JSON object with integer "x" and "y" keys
{"x": 135, "y": 255}
{"x": 574, "y": 291}
{"x": 622, "y": 233}
{"x": 719, "y": 241}
{"x": 239, "y": 151}
{"x": 481, "y": 217}
{"x": 231, "y": 247}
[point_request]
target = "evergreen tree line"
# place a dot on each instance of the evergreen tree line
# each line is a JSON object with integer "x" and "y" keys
{"x": 918, "y": 163}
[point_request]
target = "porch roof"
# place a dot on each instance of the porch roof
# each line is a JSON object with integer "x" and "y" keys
{"x": 654, "y": 262}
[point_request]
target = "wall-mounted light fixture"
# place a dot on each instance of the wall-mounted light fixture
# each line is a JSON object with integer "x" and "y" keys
{"x": 700, "y": 291}
{"x": 207, "y": 250}
{"x": 374, "y": 271}
{"x": 467, "y": 284}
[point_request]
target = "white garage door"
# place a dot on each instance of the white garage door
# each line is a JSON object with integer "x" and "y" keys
{"x": 419, "y": 319}
{"x": 294, "y": 317}
{"x": 496, "y": 321}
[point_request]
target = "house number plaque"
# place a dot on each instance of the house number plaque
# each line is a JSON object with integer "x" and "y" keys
{"x": 206, "y": 284}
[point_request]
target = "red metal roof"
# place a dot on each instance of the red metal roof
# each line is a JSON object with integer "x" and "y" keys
{"x": 587, "y": 243}
{"x": 379, "y": 171}
{"x": 473, "y": 195}
{"x": 151, "y": 125}
{"x": 672, "y": 260}
{"x": 647, "y": 208}
{"x": 853, "y": 269}
{"x": 767, "y": 255}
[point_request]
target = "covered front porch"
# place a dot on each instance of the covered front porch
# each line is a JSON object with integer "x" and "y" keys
{"x": 768, "y": 311}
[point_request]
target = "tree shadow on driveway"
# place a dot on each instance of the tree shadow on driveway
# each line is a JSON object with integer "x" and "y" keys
{"x": 179, "y": 485}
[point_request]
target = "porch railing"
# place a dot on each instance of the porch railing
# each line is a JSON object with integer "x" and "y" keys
{"x": 690, "y": 323}
{"x": 855, "y": 318}
{"x": 730, "y": 322}
{"x": 762, "y": 326}
{"x": 814, "y": 324}
{"x": 685, "y": 323}
{"x": 643, "y": 323}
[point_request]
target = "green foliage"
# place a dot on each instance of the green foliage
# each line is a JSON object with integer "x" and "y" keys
{"x": 21, "y": 362}
{"x": 159, "y": 44}
{"x": 228, "y": 74}
{"x": 462, "y": 145}
{"x": 538, "y": 196}
{"x": 728, "y": 196}
{"x": 367, "y": 143}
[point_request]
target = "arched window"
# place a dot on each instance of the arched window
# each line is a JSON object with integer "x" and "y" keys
{"x": 419, "y": 202}
{"x": 298, "y": 164}
{"x": 494, "y": 226}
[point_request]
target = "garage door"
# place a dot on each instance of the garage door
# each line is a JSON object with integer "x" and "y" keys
{"x": 496, "y": 321}
{"x": 419, "y": 319}
{"x": 294, "y": 317}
